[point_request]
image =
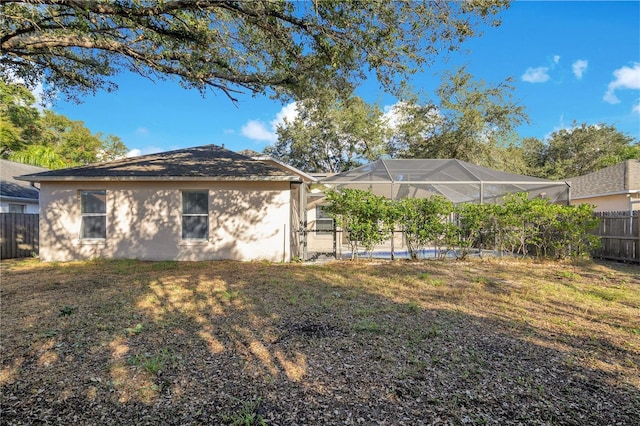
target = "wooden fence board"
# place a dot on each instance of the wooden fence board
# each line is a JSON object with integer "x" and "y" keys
{"x": 19, "y": 234}
{"x": 620, "y": 236}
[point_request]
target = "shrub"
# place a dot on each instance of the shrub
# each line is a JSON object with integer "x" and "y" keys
{"x": 519, "y": 225}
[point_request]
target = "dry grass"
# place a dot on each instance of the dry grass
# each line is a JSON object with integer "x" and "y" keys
{"x": 477, "y": 342}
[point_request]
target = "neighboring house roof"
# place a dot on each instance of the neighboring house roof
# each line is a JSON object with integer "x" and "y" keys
{"x": 11, "y": 188}
{"x": 621, "y": 178}
{"x": 208, "y": 162}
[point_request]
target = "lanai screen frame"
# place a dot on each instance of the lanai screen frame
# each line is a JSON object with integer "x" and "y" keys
{"x": 387, "y": 178}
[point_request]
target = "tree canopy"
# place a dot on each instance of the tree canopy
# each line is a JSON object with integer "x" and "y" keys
{"x": 472, "y": 121}
{"x": 44, "y": 138}
{"x": 331, "y": 134}
{"x": 284, "y": 48}
{"x": 578, "y": 150}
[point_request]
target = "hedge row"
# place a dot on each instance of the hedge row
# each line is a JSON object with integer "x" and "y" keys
{"x": 518, "y": 225}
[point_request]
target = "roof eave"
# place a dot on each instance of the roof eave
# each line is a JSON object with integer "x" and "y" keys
{"x": 606, "y": 194}
{"x": 159, "y": 178}
{"x": 20, "y": 199}
{"x": 288, "y": 167}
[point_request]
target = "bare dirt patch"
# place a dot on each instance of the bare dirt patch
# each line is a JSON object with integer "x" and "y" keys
{"x": 476, "y": 342}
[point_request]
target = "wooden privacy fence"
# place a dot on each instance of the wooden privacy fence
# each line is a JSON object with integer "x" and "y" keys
{"x": 620, "y": 236}
{"x": 18, "y": 235}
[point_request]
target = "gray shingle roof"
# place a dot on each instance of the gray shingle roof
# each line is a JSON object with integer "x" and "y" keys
{"x": 198, "y": 163}
{"x": 614, "y": 179}
{"x": 10, "y": 187}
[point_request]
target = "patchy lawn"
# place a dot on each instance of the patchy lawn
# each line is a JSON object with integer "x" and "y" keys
{"x": 476, "y": 342}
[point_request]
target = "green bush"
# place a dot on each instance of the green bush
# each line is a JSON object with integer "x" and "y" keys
{"x": 518, "y": 225}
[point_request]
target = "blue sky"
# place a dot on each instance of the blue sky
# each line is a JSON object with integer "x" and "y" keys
{"x": 570, "y": 61}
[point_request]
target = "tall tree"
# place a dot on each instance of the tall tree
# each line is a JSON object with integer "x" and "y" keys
{"x": 579, "y": 150}
{"x": 285, "y": 48}
{"x": 472, "y": 122}
{"x": 331, "y": 134}
{"x": 44, "y": 138}
{"x": 18, "y": 118}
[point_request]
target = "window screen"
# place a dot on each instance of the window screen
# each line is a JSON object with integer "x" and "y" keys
{"x": 324, "y": 223}
{"x": 195, "y": 215}
{"x": 93, "y": 207}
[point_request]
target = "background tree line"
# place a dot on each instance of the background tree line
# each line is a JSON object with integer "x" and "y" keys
{"x": 43, "y": 138}
{"x": 470, "y": 121}
{"x": 316, "y": 53}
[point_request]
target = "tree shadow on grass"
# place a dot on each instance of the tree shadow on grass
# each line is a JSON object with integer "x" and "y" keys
{"x": 208, "y": 342}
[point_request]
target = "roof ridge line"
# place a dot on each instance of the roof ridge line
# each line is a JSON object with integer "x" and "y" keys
{"x": 463, "y": 164}
{"x": 387, "y": 169}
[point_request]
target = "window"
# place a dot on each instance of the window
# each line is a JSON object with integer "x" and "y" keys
{"x": 324, "y": 223}
{"x": 16, "y": 208}
{"x": 93, "y": 207}
{"x": 195, "y": 215}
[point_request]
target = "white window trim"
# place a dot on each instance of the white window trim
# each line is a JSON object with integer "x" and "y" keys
{"x": 194, "y": 241}
{"x": 83, "y": 215}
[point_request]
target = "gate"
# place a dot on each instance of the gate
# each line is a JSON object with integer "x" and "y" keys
{"x": 319, "y": 243}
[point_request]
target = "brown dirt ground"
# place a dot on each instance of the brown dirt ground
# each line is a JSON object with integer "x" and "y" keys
{"x": 398, "y": 343}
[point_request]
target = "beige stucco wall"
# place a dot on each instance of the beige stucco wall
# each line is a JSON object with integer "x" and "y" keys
{"x": 247, "y": 221}
{"x": 610, "y": 203}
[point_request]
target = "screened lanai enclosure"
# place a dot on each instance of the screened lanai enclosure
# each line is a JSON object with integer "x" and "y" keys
{"x": 458, "y": 181}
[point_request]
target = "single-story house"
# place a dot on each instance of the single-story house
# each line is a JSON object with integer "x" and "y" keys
{"x": 614, "y": 188}
{"x": 17, "y": 196}
{"x": 201, "y": 203}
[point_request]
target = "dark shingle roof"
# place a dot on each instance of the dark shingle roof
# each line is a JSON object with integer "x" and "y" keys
{"x": 10, "y": 187}
{"x": 202, "y": 162}
{"x": 614, "y": 179}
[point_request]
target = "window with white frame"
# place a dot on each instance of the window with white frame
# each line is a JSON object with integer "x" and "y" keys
{"x": 324, "y": 223}
{"x": 93, "y": 207}
{"x": 17, "y": 208}
{"x": 195, "y": 215}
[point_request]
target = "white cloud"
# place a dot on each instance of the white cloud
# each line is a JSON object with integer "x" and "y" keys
{"x": 287, "y": 113}
{"x": 556, "y": 59}
{"x": 257, "y": 130}
{"x": 625, "y": 78}
{"x": 263, "y": 132}
{"x": 536, "y": 75}
{"x": 142, "y": 131}
{"x": 636, "y": 108}
{"x": 391, "y": 114}
{"x": 610, "y": 97}
{"x": 135, "y": 152}
{"x": 579, "y": 67}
